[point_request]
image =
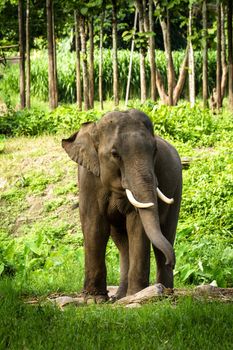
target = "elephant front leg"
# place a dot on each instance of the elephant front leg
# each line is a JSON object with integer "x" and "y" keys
{"x": 121, "y": 240}
{"x": 95, "y": 241}
{"x": 139, "y": 255}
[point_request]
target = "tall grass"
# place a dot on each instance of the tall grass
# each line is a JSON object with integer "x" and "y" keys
{"x": 66, "y": 74}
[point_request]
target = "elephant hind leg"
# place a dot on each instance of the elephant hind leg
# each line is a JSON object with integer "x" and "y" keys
{"x": 120, "y": 238}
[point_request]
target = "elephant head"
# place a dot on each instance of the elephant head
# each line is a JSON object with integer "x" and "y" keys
{"x": 121, "y": 151}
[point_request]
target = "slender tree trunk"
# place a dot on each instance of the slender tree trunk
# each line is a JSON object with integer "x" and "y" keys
{"x": 171, "y": 72}
{"x": 230, "y": 55}
{"x": 84, "y": 64}
{"x": 165, "y": 25}
{"x": 28, "y": 63}
{"x": 101, "y": 60}
{"x": 55, "y": 60}
{"x": 22, "y": 54}
{"x": 78, "y": 65}
{"x": 204, "y": 56}
{"x": 114, "y": 53}
{"x": 181, "y": 80}
{"x": 174, "y": 89}
{"x": 218, "y": 71}
{"x": 223, "y": 54}
{"x": 191, "y": 63}
{"x": 131, "y": 58}
{"x": 91, "y": 64}
{"x": 51, "y": 56}
{"x": 152, "y": 53}
{"x": 142, "y": 53}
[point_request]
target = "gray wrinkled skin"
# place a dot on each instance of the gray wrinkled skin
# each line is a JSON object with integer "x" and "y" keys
{"x": 117, "y": 153}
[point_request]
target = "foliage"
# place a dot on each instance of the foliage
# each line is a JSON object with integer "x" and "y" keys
{"x": 36, "y": 122}
{"x": 66, "y": 74}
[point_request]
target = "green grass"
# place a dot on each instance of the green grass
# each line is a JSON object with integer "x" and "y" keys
{"x": 181, "y": 324}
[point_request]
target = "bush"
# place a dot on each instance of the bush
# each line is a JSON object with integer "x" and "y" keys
{"x": 36, "y": 122}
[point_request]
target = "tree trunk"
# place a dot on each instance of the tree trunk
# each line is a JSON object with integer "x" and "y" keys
{"x": 191, "y": 63}
{"x": 131, "y": 58}
{"x": 55, "y": 60}
{"x": 181, "y": 80}
{"x": 223, "y": 54}
{"x": 78, "y": 67}
{"x": 114, "y": 53}
{"x": 22, "y": 54}
{"x": 230, "y": 55}
{"x": 28, "y": 63}
{"x": 84, "y": 64}
{"x": 165, "y": 25}
{"x": 91, "y": 64}
{"x": 101, "y": 60}
{"x": 152, "y": 53}
{"x": 218, "y": 70}
{"x": 51, "y": 56}
{"x": 142, "y": 53}
{"x": 204, "y": 56}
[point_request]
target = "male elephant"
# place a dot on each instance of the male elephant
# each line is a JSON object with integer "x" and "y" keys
{"x": 130, "y": 184}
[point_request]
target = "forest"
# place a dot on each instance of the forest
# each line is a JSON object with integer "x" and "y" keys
{"x": 66, "y": 63}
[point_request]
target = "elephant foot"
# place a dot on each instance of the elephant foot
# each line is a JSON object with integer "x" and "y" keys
{"x": 121, "y": 293}
{"x": 94, "y": 298}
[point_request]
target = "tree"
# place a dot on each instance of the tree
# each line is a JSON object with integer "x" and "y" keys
{"x": 218, "y": 68}
{"x": 230, "y": 54}
{"x": 22, "y": 54}
{"x": 78, "y": 64}
{"x": 53, "y": 100}
{"x": 174, "y": 88}
{"x": 28, "y": 64}
{"x": 141, "y": 12}
{"x": 84, "y": 62}
{"x": 91, "y": 63}
{"x": 114, "y": 53}
{"x": 204, "y": 55}
{"x": 102, "y": 15}
{"x": 191, "y": 62}
{"x": 223, "y": 53}
{"x": 131, "y": 57}
{"x": 152, "y": 53}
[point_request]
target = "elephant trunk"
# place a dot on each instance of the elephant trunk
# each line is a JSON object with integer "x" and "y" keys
{"x": 148, "y": 211}
{"x": 150, "y": 222}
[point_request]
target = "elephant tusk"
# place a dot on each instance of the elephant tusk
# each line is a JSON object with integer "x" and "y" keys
{"x": 164, "y": 198}
{"x": 135, "y": 202}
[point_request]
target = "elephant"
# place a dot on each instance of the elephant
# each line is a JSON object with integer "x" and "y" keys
{"x": 130, "y": 185}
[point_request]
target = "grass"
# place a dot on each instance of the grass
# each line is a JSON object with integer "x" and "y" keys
{"x": 182, "y": 324}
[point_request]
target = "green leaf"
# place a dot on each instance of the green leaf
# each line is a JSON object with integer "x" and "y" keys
{"x": 1, "y": 268}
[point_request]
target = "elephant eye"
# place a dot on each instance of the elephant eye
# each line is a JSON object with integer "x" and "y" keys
{"x": 115, "y": 154}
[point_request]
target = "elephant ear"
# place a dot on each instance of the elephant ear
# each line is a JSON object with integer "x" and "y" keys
{"x": 81, "y": 148}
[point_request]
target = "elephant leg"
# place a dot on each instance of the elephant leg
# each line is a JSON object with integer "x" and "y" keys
{"x": 164, "y": 272}
{"x": 139, "y": 254}
{"x": 120, "y": 238}
{"x": 96, "y": 235}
